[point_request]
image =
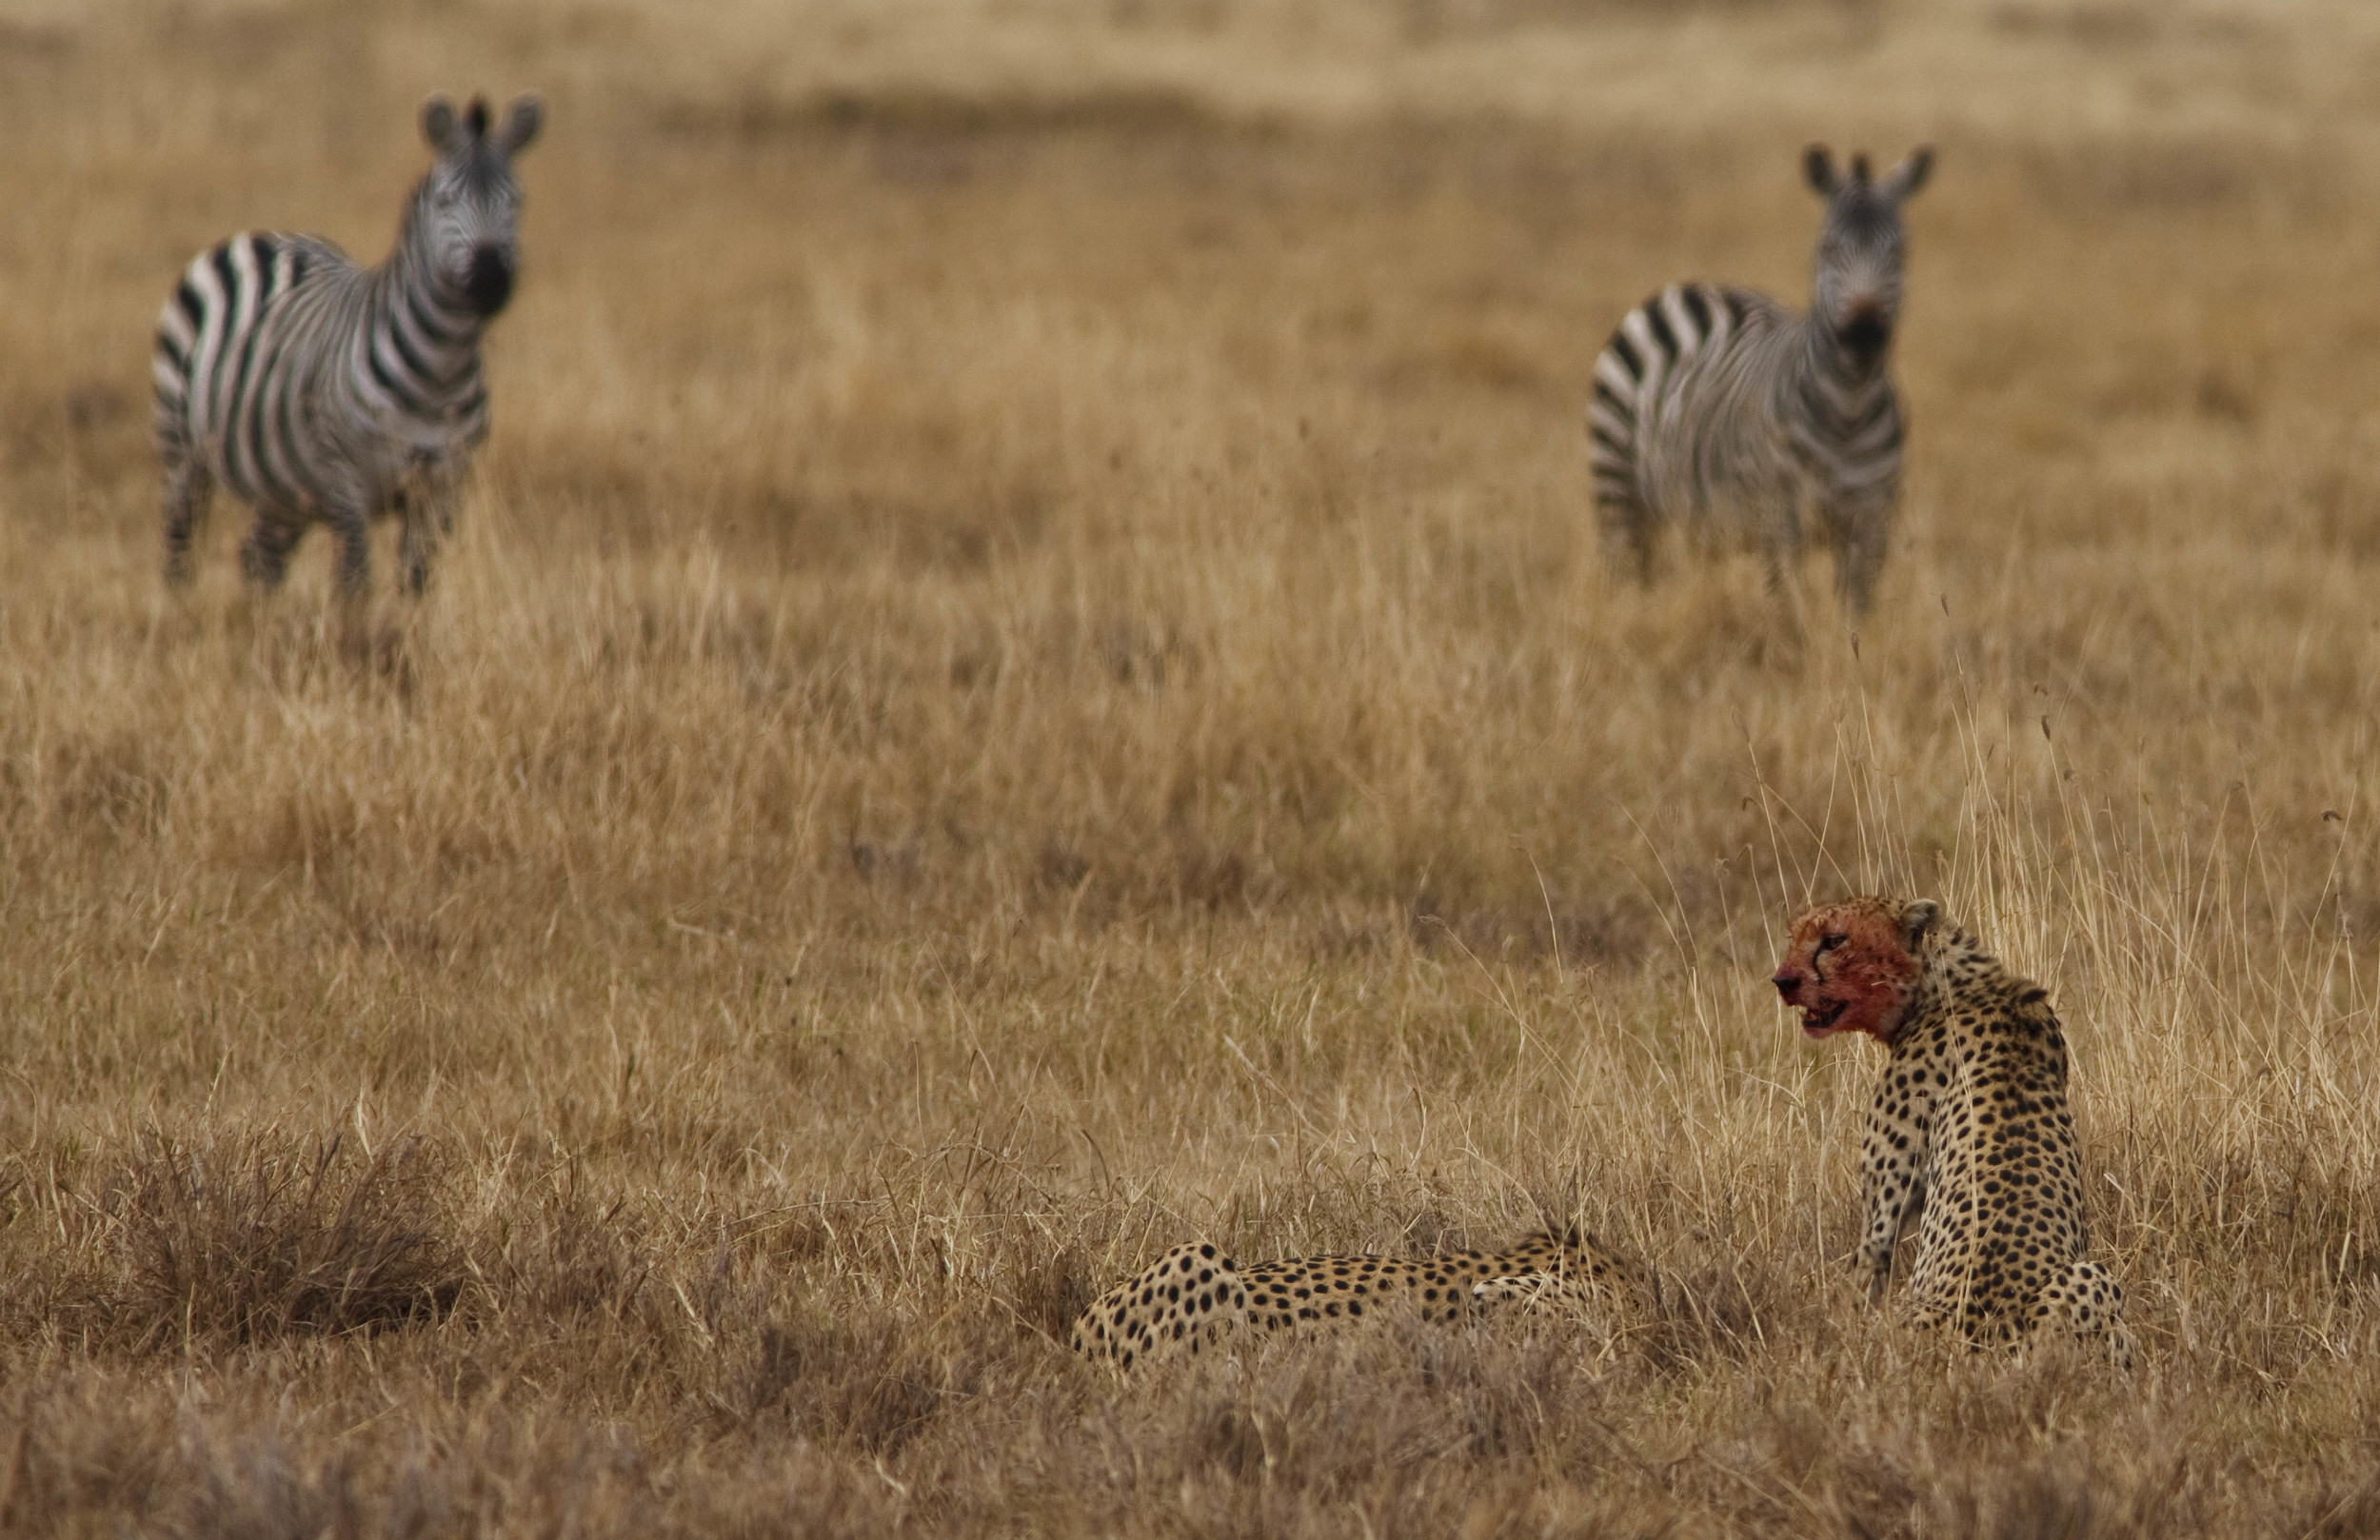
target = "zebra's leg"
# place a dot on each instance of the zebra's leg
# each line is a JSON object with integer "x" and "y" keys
{"x": 1859, "y": 541}
{"x": 354, "y": 530}
{"x": 265, "y": 555}
{"x": 1856, "y": 567}
{"x": 1783, "y": 523}
{"x": 1779, "y": 549}
{"x": 188, "y": 490}
{"x": 1627, "y": 526}
{"x": 427, "y": 512}
{"x": 416, "y": 543}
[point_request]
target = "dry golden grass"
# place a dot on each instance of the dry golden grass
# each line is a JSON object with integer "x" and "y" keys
{"x": 1027, "y": 678}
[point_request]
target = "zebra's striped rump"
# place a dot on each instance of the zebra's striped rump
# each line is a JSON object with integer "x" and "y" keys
{"x": 1651, "y": 342}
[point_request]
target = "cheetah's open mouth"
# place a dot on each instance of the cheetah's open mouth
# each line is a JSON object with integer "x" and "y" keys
{"x": 1818, "y": 1020}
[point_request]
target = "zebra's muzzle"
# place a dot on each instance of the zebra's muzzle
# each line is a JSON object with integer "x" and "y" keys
{"x": 490, "y": 282}
{"x": 1866, "y": 334}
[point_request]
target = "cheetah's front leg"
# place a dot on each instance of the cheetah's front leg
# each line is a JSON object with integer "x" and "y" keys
{"x": 1893, "y": 1160}
{"x": 1897, "y": 1200}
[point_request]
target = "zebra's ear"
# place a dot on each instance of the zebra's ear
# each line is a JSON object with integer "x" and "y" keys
{"x": 1909, "y": 176}
{"x": 520, "y": 126}
{"x": 438, "y": 123}
{"x": 1817, "y": 163}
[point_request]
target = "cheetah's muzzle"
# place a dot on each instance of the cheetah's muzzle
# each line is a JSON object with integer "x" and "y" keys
{"x": 1818, "y": 1015}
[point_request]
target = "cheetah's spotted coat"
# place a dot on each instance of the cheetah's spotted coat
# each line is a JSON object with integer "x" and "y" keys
{"x": 1194, "y": 1295}
{"x": 1969, "y": 1139}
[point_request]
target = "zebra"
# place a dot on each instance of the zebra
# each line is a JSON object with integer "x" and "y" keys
{"x": 315, "y": 389}
{"x": 1719, "y": 407}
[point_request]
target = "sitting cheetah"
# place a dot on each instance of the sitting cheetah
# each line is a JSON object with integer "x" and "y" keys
{"x": 1969, "y": 1139}
{"x": 1194, "y": 1294}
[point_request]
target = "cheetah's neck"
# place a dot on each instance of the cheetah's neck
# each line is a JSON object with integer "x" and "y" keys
{"x": 1953, "y": 970}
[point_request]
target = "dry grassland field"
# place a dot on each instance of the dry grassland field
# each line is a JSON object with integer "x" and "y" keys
{"x": 1026, "y": 675}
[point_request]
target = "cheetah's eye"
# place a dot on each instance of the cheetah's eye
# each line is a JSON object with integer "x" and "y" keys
{"x": 1826, "y": 944}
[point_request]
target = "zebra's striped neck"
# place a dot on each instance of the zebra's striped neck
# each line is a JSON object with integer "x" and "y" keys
{"x": 424, "y": 335}
{"x": 1838, "y": 384}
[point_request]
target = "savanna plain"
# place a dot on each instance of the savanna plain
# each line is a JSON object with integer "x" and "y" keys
{"x": 1027, "y": 676}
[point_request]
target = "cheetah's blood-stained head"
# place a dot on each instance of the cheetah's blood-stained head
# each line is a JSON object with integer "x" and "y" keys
{"x": 1851, "y": 966}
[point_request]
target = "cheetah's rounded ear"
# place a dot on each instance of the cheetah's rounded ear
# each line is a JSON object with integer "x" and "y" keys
{"x": 438, "y": 123}
{"x": 520, "y": 126}
{"x": 1918, "y": 917}
{"x": 1817, "y": 163}
{"x": 1906, "y": 178}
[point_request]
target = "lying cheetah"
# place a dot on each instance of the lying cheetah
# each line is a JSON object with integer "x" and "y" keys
{"x": 1969, "y": 1139}
{"x": 1194, "y": 1295}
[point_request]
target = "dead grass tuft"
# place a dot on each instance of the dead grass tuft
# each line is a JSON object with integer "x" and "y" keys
{"x": 1050, "y": 1291}
{"x": 860, "y": 1380}
{"x": 1721, "y": 1311}
{"x": 253, "y": 1237}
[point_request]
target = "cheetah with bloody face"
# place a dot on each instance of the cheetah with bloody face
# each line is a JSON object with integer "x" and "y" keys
{"x": 1193, "y": 1295}
{"x": 1968, "y": 1137}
